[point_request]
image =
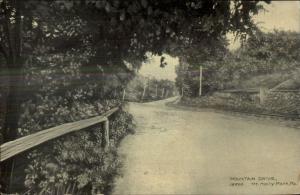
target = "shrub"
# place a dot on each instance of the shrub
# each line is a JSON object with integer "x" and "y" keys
{"x": 77, "y": 163}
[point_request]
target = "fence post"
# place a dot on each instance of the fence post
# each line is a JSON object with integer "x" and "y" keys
{"x": 262, "y": 95}
{"x": 115, "y": 93}
{"x": 167, "y": 93}
{"x": 124, "y": 93}
{"x": 144, "y": 91}
{"x": 106, "y": 133}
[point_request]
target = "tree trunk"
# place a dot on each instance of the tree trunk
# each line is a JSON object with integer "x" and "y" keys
{"x": 10, "y": 127}
{"x": 14, "y": 93}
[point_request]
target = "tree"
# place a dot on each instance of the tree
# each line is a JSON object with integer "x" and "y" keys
{"x": 117, "y": 30}
{"x": 209, "y": 54}
{"x": 116, "y": 33}
{"x": 278, "y": 48}
{"x": 262, "y": 54}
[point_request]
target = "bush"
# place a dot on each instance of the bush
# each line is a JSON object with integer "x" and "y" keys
{"x": 55, "y": 95}
{"x": 77, "y": 163}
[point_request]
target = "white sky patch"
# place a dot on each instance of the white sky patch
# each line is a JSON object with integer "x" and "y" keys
{"x": 233, "y": 43}
{"x": 280, "y": 15}
{"x": 152, "y": 68}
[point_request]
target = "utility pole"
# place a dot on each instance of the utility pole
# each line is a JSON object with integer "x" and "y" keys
{"x": 156, "y": 91}
{"x": 200, "y": 82}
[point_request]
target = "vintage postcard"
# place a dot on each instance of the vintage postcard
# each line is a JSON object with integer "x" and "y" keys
{"x": 170, "y": 97}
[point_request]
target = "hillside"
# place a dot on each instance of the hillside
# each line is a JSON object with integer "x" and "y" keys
{"x": 279, "y": 81}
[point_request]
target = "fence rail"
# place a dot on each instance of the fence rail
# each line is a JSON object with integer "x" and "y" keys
{"x": 12, "y": 148}
{"x": 256, "y": 90}
{"x": 240, "y": 91}
{"x": 285, "y": 90}
{"x": 261, "y": 92}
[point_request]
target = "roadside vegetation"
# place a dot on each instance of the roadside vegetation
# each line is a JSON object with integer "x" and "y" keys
{"x": 57, "y": 93}
{"x": 268, "y": 61}
{"x": 145, "y": 89}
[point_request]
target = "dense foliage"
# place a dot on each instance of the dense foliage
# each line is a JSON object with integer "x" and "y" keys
{"x": 273, "y": 55}
{"x": 115, "y": 31}
{"x": 57, "y": 93}
{"x": 264, "y": 60}
{"x": 148, "y": 89}
{"x": 77, "y": 164}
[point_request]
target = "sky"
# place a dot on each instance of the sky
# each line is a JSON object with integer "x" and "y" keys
{"x": 282, "y": 15}
{"x": 153, "y": 69}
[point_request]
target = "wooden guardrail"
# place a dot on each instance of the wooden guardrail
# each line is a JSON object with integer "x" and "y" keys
{"x": 12, "y": 148}
{"x": 285, "y": 90}
{"x": 262, "y": 92}
{"x": 256, "y": 90}
{"x": 240, "y": 91}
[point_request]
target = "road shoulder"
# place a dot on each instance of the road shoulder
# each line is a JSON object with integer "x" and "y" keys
{"x": 280, "y": 120}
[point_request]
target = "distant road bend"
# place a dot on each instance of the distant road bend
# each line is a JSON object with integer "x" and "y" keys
{"x": 188, "y": 152}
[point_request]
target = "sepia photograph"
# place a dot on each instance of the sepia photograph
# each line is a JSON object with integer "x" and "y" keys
{"x": 149, "y": 97}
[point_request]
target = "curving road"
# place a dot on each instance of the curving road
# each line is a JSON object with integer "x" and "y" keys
{"x": 188, "y": 152}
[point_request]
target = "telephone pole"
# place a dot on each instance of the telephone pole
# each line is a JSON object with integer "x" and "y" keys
{"x": 200, "y": 82}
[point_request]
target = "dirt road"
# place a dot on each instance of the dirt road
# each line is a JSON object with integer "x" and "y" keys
{"x": 187, "y": 152}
